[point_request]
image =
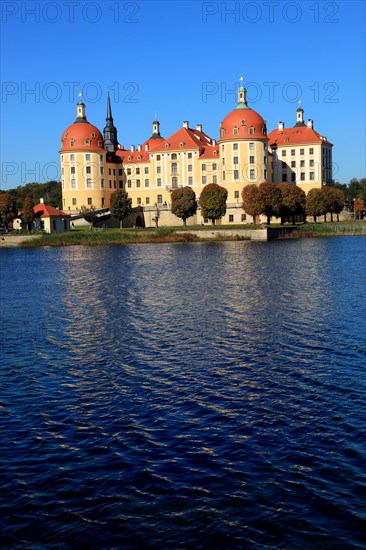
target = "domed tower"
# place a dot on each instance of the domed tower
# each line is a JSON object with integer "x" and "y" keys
{"x": 243, "y": 147}
{"x": 83, "y": 160}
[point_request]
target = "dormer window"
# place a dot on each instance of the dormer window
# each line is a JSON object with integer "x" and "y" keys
{"x": 93, "y": 135}
{"x": 235, "y": 131}
{"x": 87, "y": 142}
{"x": 215, "y": 153}
{"x": 181, "y": 144}
{"x": 139, "y": 157}
{"x": 130, "y": 158}
{"x": 99, "y": 143}
{"x": 251, "y": 130}
{"x": 243, "y": 122}
{"x": 66, "y": 135}
{"x": 223, "y": 132}
{"x": 72, "y": 143}
{"x": 167, "y": 146}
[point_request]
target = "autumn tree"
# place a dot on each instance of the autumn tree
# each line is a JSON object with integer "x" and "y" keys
{"x": 213, "y": 202}
{"x": 251, "y": 200}
{"x": 315, "y": 205}
{"x": 121, "y": 205}
{"x": 340, "y": 202}
{"x": 293, "y": 200}
{"x": 27, "y": 215}
{"x": 8, "y": 210}
{"x": 89, "y": 215}
{"x": 330, "y": 198}
{"x": 270, "y": 200}
{"x": 184, "y": 204}
{"x": 358, "y": 207}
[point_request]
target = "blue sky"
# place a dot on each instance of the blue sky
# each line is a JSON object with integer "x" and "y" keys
{"x": 180, "y": 61}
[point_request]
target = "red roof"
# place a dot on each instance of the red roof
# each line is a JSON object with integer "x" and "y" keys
{"x": 132, "y": 156}
{"x": 242, "y": 120}
{"x": 212, "y": 151}
{"x": 185, "y": 138}
{"x": 80, "y": 132}
{"x": 296, "y": 136}
{"x": 46, "y": 211}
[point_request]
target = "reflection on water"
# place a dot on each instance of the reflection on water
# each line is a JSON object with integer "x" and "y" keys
{"x": 167, "y": 396}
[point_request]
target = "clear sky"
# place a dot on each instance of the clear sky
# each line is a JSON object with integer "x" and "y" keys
{"x": 178, "y": 60}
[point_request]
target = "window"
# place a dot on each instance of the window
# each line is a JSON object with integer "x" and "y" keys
{"x": 138, "y": 183}
{"x": 114, "y": 184}
{"x": 147, "y": 183}
{"x": 223, "y": 176}
{"x": 88, "y": 170}
{"x": 311, "y": 162}
{"x": 231, "y": 217}
{"x": 189, "y": 155}
{"x": 251, "y": 130}
{"x": 147, "y": 200}
{"x": 158, "y": 182}
{"x": 301, "y": 151}
{"x": 174, "y": 156}
{"x": 243, "y": 217}
{"x": 236, "y": 174}
{"x": 293, "y": 176}
{"x": 73, "y": 202}
{"x": 72, "y": 170}
{"x": 158, "y": 169}
{"x": 236, "y": 194}
{"x": 284, "y": 165}
{"x": 101, "y": 170}
{"x": 190, "y": 180}
{"x": 109, "y": 171}
{"x": 72, "y": 158}
{"x": 214, "y": 179}
{"x": 236, "y": 160}
{"x": 251, "y": 160}
{"x": 214, "y": 166}
{"x": 110, "y": 184}
{"x": 88, "y": 183}
{"x": 311, "y": 176}
{"x": 114, "y": 172}
{"x": 175, "y": 182}
{"x": 129, "y": 184}
{"x": 87, "y": 156}
{"x": 283, "y": 152}
{"x": 252, "y": 174}
{"x": 204, "y": 179}
{"x": 302, "y": 163}
{"x": 120, "y": 184}
{"x": 189, "y": 167}
{"x": 302, "y": 176}
{"x": 93, "y": 135}
{"x": 128, "y": 171}
{"x": 139, "y": 201}
{"x": 251, "y": 145}
{"x": 235, "y": 146}
{"x": 284, "y": 177}
{"x": 293, "y": 164}
{"x": 102, "y": 184}
{"x": 87, "y": 142}
{"x": 137, "y": 171}
{"x": 292, "y": 152}
{"x": 174, "y": 168}
{"x": 101, "y": 158}
{"x": 73, "y": 184}
{"x": 120, "y": 171}
{"x": 204, "y": 167}
{"x": 311, "y": 151}
{"x": 89, "y": 201}
{"x": 72, "y": 143}
{"x": 160, "y": 199}
{"x": 146, "y": 170}
{"x": 236, "y": 130}
{"x": 158, "y": 157}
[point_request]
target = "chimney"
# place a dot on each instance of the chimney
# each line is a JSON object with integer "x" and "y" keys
{"x": 310, "y": 123}
{"x": 146, "y": 147}
{"x": 199, "y": 127}
{"x": 185, "y": 124}
{"x": 132, "y": 148}
{"x": 139, "y": 147}
{"x": 214, "y": 142}
{"x": 41, "y": 201}
{"x": 281, "y": 126}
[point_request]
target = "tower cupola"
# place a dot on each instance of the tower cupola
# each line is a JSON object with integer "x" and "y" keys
{"x": 300, "y": 115}
{"x": 242, "y": 96}
{"x": 110, "y": 131}
{"x": 80, "y": 110}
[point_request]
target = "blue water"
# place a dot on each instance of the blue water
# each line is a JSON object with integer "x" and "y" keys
{"x": 184, "y": 396}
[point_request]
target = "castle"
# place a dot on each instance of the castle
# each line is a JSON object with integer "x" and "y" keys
{"x": 94, "y": 166}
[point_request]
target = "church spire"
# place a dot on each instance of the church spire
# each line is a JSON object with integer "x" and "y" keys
{"x": 110, "y": 131}
{"x": 242, "y": 96}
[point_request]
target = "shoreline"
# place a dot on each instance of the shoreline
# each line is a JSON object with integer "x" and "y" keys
{"x": 184, "y": 235}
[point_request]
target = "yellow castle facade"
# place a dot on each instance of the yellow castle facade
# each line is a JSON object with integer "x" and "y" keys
{"x": 94, "y": 166}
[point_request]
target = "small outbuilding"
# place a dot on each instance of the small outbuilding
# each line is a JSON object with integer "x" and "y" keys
{"x": 51, "y": 219}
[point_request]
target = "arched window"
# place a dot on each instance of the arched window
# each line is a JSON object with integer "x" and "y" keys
{"x": 72, "y": 143}
{"x": 235, "y": 131}
{"x": 251, "y": 130}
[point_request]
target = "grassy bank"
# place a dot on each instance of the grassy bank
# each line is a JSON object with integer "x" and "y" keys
{"x": 328, "y": 229}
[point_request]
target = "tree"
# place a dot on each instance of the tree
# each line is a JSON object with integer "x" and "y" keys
{"x": 213, "y": 202}
{"x": 157, "y": 215}
{"x": 121, "y": 205}
{"x": 89, "y": 215}
{"x": 184, "y": 204}
{"x": 27, "y": 212}
{"x": 270, "y": 200}
{"x": 293, "y": 201}
{"x": 315, "y": 205}
{"x": 8, "y": 210}
{"x": 358, "y": 207}
{"x": 340, "y": 202}
{"x": 251, "y": 200}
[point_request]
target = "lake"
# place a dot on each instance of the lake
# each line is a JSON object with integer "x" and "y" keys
{"x": 206, "y": 395}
